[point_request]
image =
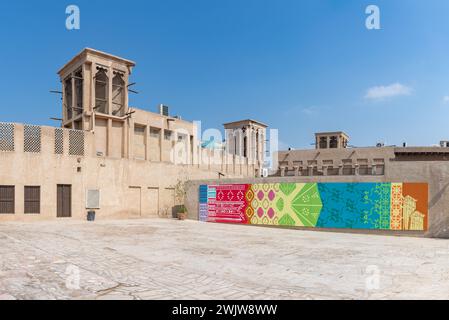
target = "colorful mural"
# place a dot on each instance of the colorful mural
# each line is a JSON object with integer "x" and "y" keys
{"x": 383, "y": 206}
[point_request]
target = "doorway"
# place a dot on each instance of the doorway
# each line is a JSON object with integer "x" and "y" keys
{"x": 64, "y": 201}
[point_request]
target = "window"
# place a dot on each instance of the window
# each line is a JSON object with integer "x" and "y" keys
{"x": 181, "y": 137}
{"x": 323, "y": 142}
{"x": 78, "y": 109}
{"x": 245, "y": 147}
{"x": 76, "y": 143}
{"x": 235, "y": 145}
{"x": 31, "y": 138}
{"x": 333, "y": 142}
{"x": 139, "y": 129}
{"x": 167, "y": 134}
{"x": 364, "y": 170}
{"x": 154, "y": 133}
{"x": 348, "y": 170}
{"x": 379, "y": 170}
{"x": 32, "y": 197}
{"x": 331, "y": 171}
{"x": 68, "y": 97}
{"x": 101, "y": 90}
{"x": 7, "y": 200}
{"x": 6, "y": 137}
{"x": 118, "y": 94}
{"x": 257, "y": 144}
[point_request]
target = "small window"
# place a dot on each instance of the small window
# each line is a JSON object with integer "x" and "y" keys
{"x": 181, "y": 137}
{"x": 118, "y": 94}
{"x": 76, "y": 143}
{"x": 7, "y": 199}
{"x": 154, "y": 133}
{"x": 101, "y": 91}
{"x": 323, "y": 142}
{"x": 31, "y": 138}
{"x": 32, "y": 200}
{"x": 348, "y": 170}
{"x": 68, "y": 93}
{"x": 6, "y": 136}
{"x": 333, "y": 143}
{"x": 365, "y": 170}
{"x": 331, "y": 171}
{"x": 379, "y": 170}
{"x": 59, "y": 141}
{"x": 78, "y": 108}
{"x": 139, "y": 129}
{"x": 167, "y": 134}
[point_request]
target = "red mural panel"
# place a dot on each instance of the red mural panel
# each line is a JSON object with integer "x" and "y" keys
{"x": 228, "y": 204}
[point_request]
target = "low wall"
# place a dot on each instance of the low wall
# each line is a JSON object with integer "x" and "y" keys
{"x": 433, "y": 174}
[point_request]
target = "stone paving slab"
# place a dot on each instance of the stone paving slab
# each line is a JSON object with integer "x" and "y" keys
{"x": 170, "y": 259}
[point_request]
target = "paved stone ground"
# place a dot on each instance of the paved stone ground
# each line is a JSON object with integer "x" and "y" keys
{"x": 169, "y": 259}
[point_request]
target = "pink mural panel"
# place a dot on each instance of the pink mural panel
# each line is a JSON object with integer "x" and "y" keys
{"x": 227, "y": 203}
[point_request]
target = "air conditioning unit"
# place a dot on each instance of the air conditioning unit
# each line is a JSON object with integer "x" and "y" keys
{"x": 444, "y": 144}
{"x": 264, "y": 173}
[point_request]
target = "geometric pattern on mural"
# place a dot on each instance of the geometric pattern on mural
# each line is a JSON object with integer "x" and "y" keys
{"x": 383, "y": 206}
{"x": 355, "y": 205}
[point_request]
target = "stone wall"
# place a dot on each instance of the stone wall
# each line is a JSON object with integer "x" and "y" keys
{"x": 435, "y": 173}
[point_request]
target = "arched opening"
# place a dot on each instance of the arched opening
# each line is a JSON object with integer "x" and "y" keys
{"x": 78, "y": 109}
{"x": 68, "y": 95}
{"x": 118, "y": 95}
{"x": 101, "y": 91}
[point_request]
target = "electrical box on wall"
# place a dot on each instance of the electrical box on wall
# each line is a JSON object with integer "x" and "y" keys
{"x": 93, "y": 199}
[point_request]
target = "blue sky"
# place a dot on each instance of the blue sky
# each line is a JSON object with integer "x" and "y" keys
{"x": 299, "y": 66}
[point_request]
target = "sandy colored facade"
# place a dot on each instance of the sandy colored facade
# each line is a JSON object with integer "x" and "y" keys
{"x": 108, "y": 156}
{"x": 328, "y": 159}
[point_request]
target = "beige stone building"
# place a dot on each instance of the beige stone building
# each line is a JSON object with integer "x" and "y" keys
{"x": 333, "y": 157}
{"x": 108, "y": 156}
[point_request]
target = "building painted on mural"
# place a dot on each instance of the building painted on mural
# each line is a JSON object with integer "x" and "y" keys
{"x": 119, "y": 160}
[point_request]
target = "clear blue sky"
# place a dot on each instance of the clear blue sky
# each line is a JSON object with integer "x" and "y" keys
{"x": 299, "y": 66}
